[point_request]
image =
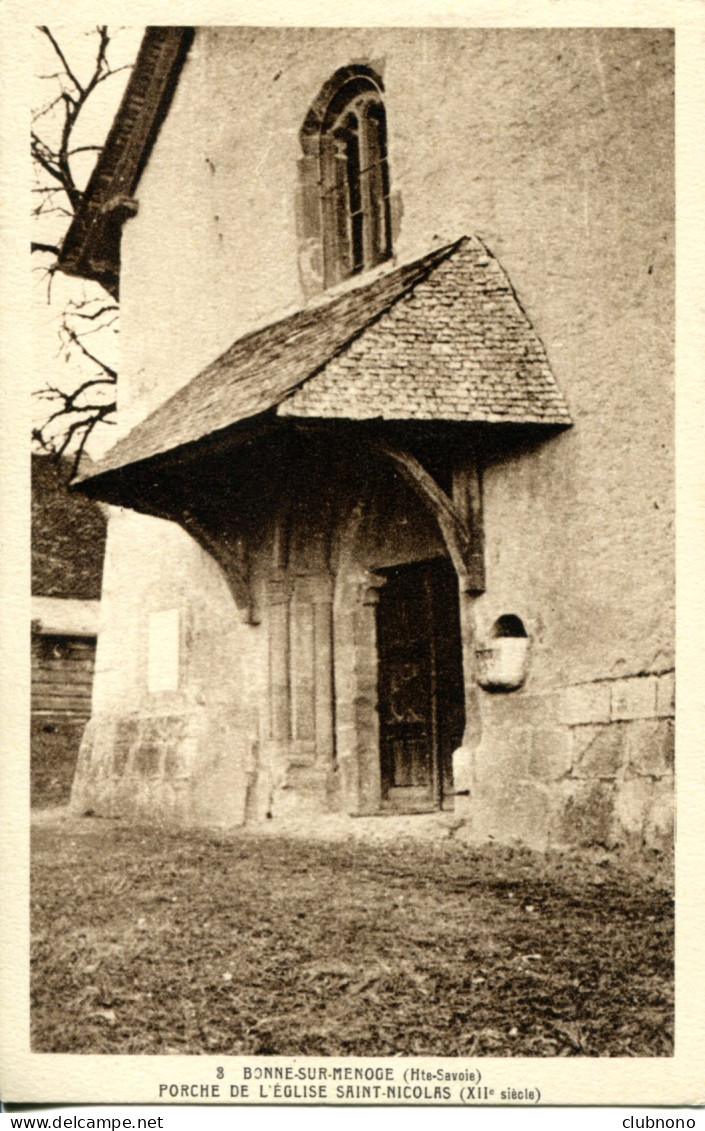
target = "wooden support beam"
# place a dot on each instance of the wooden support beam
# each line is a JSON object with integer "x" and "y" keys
{"x": 229, "y": 552}
{"x": 232, "y": 557}
{"x": 459, "y": 518}
{"x": 467, "y": 497}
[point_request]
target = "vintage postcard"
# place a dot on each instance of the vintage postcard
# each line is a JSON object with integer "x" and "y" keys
{"x": 341, "y": 752}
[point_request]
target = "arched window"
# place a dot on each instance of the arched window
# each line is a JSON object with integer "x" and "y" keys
{"x": 345, "y": 139}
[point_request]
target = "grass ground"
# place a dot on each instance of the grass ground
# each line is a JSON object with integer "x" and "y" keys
{"x": 146, "y": 942}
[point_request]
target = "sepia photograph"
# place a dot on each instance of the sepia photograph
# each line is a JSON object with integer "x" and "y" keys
{"x": 352, "y": 555}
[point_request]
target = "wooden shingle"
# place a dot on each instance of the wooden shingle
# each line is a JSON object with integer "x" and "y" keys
{"x": 442, "y": 339}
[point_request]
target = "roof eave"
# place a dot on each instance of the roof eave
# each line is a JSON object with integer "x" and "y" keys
{"x": 231, "y": 388}
{"x": 91, "y": 247}
{"x": 139, "y": 484}
{"x": 124, "y": 485}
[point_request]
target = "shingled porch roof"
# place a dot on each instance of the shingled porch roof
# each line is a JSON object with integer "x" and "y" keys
{"x": 442, "y": 339}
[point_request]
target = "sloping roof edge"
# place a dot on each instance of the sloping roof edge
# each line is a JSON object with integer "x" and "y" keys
{"x": 389, "y": 287}
{"x": 91, "y": 247}
{"x": 260, "y": 370}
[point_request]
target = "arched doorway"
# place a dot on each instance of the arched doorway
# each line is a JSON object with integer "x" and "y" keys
{"x": 420, "y": 684}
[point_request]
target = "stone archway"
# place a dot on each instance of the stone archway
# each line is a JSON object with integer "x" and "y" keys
{"x": 361, "y": 578}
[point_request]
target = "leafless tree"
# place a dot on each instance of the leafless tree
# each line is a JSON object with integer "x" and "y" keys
{"x": 88, "y": 321}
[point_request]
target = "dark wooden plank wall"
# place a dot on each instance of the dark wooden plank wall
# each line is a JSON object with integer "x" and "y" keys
{"x": 62, "y": 675}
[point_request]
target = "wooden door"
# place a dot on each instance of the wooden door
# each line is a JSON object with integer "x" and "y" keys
{"x": 420, "y": 683}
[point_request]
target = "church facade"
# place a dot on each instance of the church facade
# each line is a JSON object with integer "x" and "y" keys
{"x": 392, "y": 525}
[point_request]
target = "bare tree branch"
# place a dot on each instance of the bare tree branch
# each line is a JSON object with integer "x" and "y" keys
{"x": 49, "y": 248}
{"x": 67, "y": 70}
{"x": 85, "y": 149}
{"x": 76, "y": 310}
{"x": 75, "y": 339}
{"x": 77, "y": 411}
{"x": 50, "y": 106}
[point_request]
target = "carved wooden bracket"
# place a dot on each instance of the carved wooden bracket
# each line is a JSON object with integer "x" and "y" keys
{"x": 232, "y": 557}
{"x": 467, "y": 497}
{"x": 231, "y": 553}
{"x": 459, "y": 518}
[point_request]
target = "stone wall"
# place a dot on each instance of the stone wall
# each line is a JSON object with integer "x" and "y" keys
{"x": 620, "y": 782}
{"x": 554, "y": 146}
{"x": 590, "y": 763}
{"x": 577, "y": 203}
{"x": 272, "y": 719}
{"x": 586, "y": 763}
{"x": 181, "y": 751}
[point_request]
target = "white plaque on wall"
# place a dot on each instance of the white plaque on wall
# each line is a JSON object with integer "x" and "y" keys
{"x": 163, "y": 651}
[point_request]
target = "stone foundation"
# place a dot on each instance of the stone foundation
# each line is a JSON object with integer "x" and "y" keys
{"x": 564, "y": 768}
{"x": 578, "y": 539}
{"x": 279, "y": 720}
{"x": 199, "y": 768}
{"x": 592, "y": 764}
